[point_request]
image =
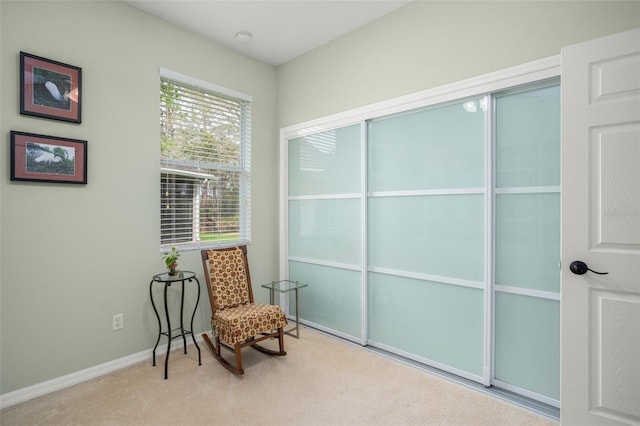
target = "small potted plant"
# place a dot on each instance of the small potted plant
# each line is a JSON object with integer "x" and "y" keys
{"x": 171, "y": 260}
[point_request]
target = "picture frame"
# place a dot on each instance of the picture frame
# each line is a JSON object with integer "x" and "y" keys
{"x": 42, "y": 158}
{"x": 50, "y": 89}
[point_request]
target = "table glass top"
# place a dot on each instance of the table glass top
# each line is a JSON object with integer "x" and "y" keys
{"x": 284, "y": 285}
{"x": 181, "y": 275}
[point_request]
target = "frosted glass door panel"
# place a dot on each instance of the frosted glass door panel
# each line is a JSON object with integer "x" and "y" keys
{"x": 438, "y": 322}
{"x": 428, "y": 149}
{"x": 332, "y": 299}
{"x": 528, "y": 138}
{"x": 325, "y": 163}
{"x": 528, "y": 241}
{"x": 527, "y": 343}
{"x": 439, "y": 235}
{"x": 326, "y": 230}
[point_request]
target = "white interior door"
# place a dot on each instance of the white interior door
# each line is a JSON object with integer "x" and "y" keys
{"x": 600, "y": 314}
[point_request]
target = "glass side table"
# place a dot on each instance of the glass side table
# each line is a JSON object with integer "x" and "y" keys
{"x": 284, "y": 287}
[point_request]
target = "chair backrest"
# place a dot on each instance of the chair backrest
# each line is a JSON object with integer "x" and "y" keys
{"x": 228, "y": 279}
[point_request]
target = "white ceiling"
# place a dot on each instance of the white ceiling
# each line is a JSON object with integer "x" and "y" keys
{"x": 281, "y": 30}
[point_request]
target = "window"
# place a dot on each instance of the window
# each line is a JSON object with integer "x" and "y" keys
{"x": 205, "y": 164}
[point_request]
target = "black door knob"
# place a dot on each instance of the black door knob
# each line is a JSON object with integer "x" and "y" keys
{"x": 578, "y": 267}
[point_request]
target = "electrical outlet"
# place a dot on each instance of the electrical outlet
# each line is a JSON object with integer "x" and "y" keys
{"x": 118, "y": 321}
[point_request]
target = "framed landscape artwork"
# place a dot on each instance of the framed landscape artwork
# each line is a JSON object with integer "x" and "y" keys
{"x": 44, "y": 158}
{"x": 50, "y": 89}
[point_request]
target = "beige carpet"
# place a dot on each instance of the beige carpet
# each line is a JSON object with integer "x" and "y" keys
{"x": 322, "y": 381}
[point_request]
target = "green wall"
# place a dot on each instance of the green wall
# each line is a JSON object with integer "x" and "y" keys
{"x": 426, "y": 44}
{"x": 72, "y": 256}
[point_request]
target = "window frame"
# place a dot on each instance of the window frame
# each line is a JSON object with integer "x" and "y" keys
{"x": 243, "y": 169}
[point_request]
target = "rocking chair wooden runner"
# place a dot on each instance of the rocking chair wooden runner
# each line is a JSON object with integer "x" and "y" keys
{"x": 236, "y": 321}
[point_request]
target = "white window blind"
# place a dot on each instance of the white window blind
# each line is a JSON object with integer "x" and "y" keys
{"x": 205, "y": 164}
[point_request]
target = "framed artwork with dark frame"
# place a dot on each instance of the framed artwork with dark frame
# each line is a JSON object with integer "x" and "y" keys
{"x": 50, "y": 89}
{"x": 42, "y": 158}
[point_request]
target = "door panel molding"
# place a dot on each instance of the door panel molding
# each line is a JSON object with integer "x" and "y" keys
{"x": 614, "y": 367}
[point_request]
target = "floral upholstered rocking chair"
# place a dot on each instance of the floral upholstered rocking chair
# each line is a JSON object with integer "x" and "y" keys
{"x": 236, "y": 321}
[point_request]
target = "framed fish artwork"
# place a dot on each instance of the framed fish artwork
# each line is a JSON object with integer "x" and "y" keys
{"x": 50, "y": 89}
{"x": 42, "y": 158}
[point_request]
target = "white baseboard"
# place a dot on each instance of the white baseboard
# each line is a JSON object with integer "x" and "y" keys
{"x": 40, "y": 389}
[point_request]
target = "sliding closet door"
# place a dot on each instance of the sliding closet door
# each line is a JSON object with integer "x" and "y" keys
{"x": 527, "y": 243}
{"x": 325, "y": 228}
{"x": 434, "y": 234}
{"x": 426, "y": 235}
